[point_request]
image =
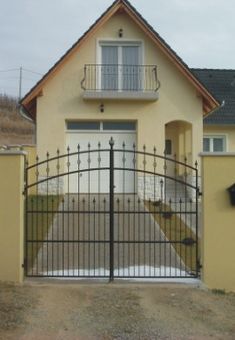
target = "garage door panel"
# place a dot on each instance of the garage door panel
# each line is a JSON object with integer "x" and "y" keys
{"x": 98, "y": 181}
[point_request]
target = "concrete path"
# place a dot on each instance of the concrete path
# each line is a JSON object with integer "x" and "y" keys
{"x": 68, "y": 252}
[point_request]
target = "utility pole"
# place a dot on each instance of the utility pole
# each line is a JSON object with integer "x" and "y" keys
{"x": 20, "y": 83}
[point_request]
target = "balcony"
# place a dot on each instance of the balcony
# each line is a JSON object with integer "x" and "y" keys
{"x": 126, "y": 82}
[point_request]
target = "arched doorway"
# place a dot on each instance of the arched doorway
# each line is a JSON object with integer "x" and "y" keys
{"x": 178, "y": 145}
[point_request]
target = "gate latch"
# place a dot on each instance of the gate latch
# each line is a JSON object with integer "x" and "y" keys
{"x": 188, "y": 241}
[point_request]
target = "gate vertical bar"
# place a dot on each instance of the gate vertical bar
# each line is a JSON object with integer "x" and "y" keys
{"x": 26, "y": 219}
{"x": 111, "y": 210}
{"x": 197, "y": 195}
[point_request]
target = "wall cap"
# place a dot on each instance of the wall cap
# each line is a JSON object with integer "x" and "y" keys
{"x": 217, "y": 154}
{"x": 12, "y": 153}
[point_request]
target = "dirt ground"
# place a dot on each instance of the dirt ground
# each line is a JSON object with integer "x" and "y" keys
{"x": 79, "y": 310}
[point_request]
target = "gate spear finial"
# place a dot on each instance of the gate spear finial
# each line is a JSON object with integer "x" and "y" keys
{"x": 111, "y": 142}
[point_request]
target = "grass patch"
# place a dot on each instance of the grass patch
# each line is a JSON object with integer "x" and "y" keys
{"x": 41, "y": 210}
{"x": 176, "y": 230}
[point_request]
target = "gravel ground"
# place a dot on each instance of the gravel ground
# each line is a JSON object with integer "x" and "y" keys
{"x": 72, "y": 310}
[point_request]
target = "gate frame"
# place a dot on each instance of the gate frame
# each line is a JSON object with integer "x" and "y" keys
{"x": 111, "y": 169}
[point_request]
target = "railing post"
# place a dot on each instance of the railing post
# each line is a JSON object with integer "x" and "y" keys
{"x": 111, "y": 210}
{"x": 83, "y": 86}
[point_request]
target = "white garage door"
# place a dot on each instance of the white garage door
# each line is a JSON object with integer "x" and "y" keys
{"x": 97, "y": 181}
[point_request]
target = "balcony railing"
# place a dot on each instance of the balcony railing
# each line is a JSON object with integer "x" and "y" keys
{"x": 120, "y": 81}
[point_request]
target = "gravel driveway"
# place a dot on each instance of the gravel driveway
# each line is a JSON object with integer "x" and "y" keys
{"x": 43, "y": 311}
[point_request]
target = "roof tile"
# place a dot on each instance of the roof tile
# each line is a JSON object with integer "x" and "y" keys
{"x": 221, "y": 83}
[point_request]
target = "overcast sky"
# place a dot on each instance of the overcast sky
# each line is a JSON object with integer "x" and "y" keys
{"x": 36, "y": 33}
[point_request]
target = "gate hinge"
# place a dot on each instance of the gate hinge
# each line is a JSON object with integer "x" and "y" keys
{"x": 199, "y": 265}
{"x": 199, "y": 192}
{"x": 24, "y": 264}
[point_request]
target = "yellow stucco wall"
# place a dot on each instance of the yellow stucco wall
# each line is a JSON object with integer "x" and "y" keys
{"x": 218, "y": 249}
{"x": 11, "y": 216}
{"x": 227, "y": 131}
{"x": 62, "y": 96}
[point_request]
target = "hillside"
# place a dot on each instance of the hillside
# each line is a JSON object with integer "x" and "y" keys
{"x": 14, "y": 129}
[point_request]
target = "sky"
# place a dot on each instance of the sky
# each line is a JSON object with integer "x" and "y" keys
{"x": 34, "y": 34}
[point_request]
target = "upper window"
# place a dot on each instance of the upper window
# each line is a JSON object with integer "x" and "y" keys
{"x": 121, "y": 126}
{"x": 120, "y": 67}
{"x": 214, "y": 143}
{"x": 83, "y": 125}
{"x": 100, "y": 126}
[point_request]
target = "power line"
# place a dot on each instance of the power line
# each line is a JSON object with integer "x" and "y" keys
{"x": 10, "y": 70}
{"x": 21, "y": 71}
{"x": 25, "y": 69}
{"x": 29, "y": 79}
{"x": 3, "y": 78}
{"x": 8, "y": 87}
{"x": 13, "y": 78}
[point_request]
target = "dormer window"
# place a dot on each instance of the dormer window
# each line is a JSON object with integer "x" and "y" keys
{"x": 120, "y": 67}
{"x": 120, "y": 73}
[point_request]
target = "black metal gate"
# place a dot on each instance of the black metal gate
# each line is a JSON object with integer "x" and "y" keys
{"x": 115, "y": 213}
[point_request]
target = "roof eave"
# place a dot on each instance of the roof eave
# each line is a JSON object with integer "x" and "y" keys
{"x": 103, "y": 18}
{"x": 210, "y": 99}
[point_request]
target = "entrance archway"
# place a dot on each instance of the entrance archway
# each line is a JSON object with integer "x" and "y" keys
{"x": 178, "y": 145}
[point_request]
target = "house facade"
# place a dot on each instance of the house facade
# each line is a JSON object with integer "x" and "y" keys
{"x": 218, "y": 127}
{"x": 121, "y": 80}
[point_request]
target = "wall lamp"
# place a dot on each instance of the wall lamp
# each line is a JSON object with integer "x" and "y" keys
{"x": 120, "y": 33}
{"x": 102, "y": 107}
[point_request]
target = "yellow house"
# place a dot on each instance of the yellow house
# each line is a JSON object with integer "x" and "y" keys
{"x": 121, "y": 80}
{"x": 123, "y": 103}
{"x": 122, "y": 71}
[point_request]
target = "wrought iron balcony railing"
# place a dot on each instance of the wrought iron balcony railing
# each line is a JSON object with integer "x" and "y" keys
{"x": 120, "y": 78}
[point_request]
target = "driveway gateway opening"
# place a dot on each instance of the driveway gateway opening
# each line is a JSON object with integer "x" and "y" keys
{"x": 111, "y": 212}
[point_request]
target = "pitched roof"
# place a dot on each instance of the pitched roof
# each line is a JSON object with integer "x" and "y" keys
{"x": 222, "y": 84}
{"x": 209, "y": 101}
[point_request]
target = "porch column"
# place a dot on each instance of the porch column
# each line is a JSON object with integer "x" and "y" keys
{"x": 197, "y": 141}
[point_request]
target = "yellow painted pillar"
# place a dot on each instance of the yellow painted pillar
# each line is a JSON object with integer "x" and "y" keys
{"x": 218, "y": 232}
{"x": 11, "y": 215}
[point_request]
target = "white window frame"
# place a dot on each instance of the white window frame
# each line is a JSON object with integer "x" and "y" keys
{"x": 101, "y": 130}
{"x": 211, "y": 137}
{"x": 119, "y": 43}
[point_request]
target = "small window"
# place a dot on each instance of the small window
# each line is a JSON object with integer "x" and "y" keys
{"x": 83, "y": 125}
{"x": 206, "y": 144}
{"x": 127, "y": 126}
{"x": 168, "y": 147}
{"x": 218, "y": 144}
{"x": 214, "y": 144}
